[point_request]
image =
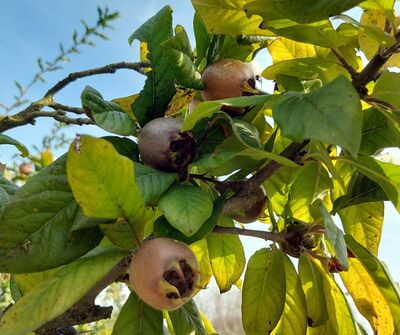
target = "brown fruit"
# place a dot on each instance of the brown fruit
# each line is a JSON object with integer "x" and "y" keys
{"x": 249, "y": 214}
{"x": 26, "y": 168}
{"x": 163, "y": 146}
{"x": 227, "y": 78}
{"x": 164, "y": 273}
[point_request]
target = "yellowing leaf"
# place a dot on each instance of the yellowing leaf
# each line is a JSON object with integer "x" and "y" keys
{"x": 181, "y": 99}
{"x": 284, "y": 49}
{"x": 294, "y": 317}
{"x": 125, "y": 103}
{"x": 381, "y": 277}
{"x": 374, "y": 18}
{"x": 144, "y": 53}
{"x": 264, "y": 290}
{"x": 200, "y": 249}
{"x": 228, "y": 17}
{"x": 226, "y": 256}
{"x": 46, "y": 157}
{"x": 367, "y": 297}
{"x": 364, "y": 222}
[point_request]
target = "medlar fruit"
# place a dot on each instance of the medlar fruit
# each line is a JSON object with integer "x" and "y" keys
{"x": 163, "y": 146}
{"x": 164, "y": 273}
{"x": 248, "y": 214}
{"x": 227, "y": 78}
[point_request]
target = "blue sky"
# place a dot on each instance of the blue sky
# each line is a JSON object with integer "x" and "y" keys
{"x": 29, "y": 29}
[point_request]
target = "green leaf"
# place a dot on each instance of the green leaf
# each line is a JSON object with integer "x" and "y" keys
{"x": 138, "y": 318}
{"x": 245, "y": 132}
{"x": 186, "y": 320}
{"x": 32, "y": 310}
{"x": 124, "y": 146}
{"x": 386, "y": 175}
{"x": 109, "y": 190}
{"x": 380, "y": 276}
{"x": 294, "y": 317}
{"x": 227, "y": 17}
{"x": 305, "y": 11}
{"x": 207, "y": 108}
{"x": 226, "y": 256}
{"x": 162, "y": 228}
{"x": 364, "y": 222}
{"x": 159, "y": 87}
{"x": 313, "y": 286}
{"x": 35, "y": 226}
{"x": 371, "y": 31}
{"x": 386, "y": 5}
{"x": 152, "y": 182}
{"x": 319, "y": 33}
{"x": 106, "y": 114}
{"x": 4, "y": 139}
{"x": 264, "y": 290}
{"x": 203, "y": 38}
{"x": 243, "y": 47}
{"x": 312, "y": 183}
{"x": 361, "y": 190}
{"x": 176, "y": 50}
{"x": 335, "y": 238}
{"x": 387, "y": 88}
{"x": 368, "y": 298}
{"x": 7, "y": 189}
{"x": 302, "y": 68}
{"x": 186, "y": 207}
{"x": 379, "y": 132}
{"x": 335, "y": 109}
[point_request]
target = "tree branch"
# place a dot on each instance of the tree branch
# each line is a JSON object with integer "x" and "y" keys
{"x": 265, "y": 235}
{"x": 75, "y": 110}
{"x": 29, "y": 114}
{"x": 110, "y": 68}
{"x": 347, "y": 66}
{"x": 85, "y": 310}
{"x": 371, "y": 71}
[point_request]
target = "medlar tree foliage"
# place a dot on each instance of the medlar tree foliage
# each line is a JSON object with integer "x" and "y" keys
{"x": 312, "y": 144}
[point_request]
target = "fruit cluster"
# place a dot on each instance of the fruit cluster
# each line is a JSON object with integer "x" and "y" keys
{"x": 164, "y": 272}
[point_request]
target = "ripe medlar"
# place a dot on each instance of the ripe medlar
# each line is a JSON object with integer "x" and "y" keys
{"x": 256, "y": 198}
{"x": 164, "y": 273}
{"x": 163, "y": 146}
{"x": 228, "y": 78}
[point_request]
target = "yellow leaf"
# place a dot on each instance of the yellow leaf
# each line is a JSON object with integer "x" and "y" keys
{"x": 207, "y": 324}
{"x": 284, "y": 49}
{"x": 144, "y": 52}
{"x": 364, "y": 222}
{"x": 46, "y": 157}
{"x": 200, "y": 249}
{"x": 228, "y": 17}
{"x": 125, "y": 103}
{"x": 368, "y": 298}
{"x": 375, "y": 18}
{"x": 181, "y": 99}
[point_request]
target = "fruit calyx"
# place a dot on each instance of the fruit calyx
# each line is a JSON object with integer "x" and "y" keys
{"x": 163, "y": 146}
{"x": 183, "y": 278}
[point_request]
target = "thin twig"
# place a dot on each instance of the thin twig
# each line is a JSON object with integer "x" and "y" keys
{"x": 265, "y": 235}
{"x": 374, "y": 101}
{"x": 28, "y": 115}
{"x": 347, "y": 66}
{"x": 75, "y": 110}
{"x": 110, "y": 68}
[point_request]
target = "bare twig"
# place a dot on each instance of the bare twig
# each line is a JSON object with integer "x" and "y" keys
{"x": 347, "y": 66}
{"x": 110, "y": 68}
{"x": 374, "y": 101}
{"x": 265, "y": 235}
{"x": 75, "y": 110}
{"x": 29, "y": 114}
